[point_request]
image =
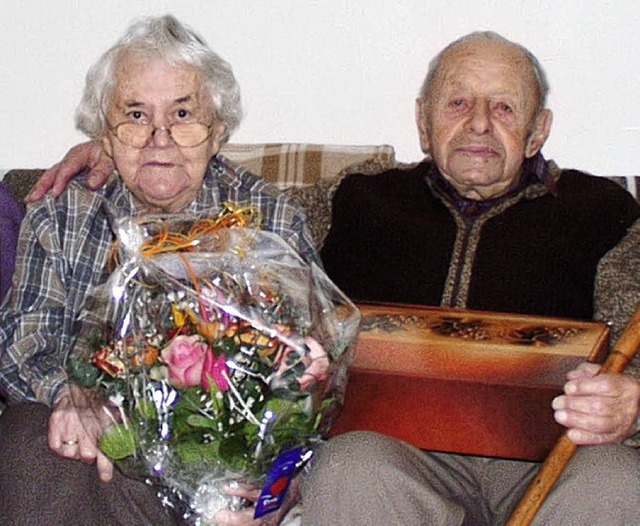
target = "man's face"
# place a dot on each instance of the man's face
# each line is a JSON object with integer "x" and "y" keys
{"x": 480, "y": 122}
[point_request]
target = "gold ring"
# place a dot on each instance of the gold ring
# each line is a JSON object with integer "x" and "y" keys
{"x": 70, "y": 442}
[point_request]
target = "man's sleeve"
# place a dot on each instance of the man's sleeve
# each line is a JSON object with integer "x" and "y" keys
{"x": 617, "y": 287}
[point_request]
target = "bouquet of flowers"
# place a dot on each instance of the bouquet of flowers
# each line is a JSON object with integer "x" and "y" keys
{"x": 220, "y": 355}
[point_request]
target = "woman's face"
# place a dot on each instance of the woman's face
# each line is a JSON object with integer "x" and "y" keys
{"x": 164, "y": 176}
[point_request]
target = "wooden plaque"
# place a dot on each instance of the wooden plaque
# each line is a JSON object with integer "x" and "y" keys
{"x": 464, "y": 381}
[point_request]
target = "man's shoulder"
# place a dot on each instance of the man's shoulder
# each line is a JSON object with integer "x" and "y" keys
{"x": 592, "y": 189}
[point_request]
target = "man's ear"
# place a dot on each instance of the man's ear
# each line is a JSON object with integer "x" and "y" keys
{"x": 539, "y": 134}
{"x": 423, "y": 129}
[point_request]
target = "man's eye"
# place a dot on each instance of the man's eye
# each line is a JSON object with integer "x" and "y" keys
{"x": 505, "y": 108}
{"x": 459, "y": 105}
{"x": 182, "y": 113}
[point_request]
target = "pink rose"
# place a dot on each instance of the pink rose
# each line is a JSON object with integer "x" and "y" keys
{"x": 316, "y": 363}
{"x": 184, "y": 357}
{"x": 215, "y": 369}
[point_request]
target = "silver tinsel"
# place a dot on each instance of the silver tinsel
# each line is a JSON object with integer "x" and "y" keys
{"x": 210, "y": 498}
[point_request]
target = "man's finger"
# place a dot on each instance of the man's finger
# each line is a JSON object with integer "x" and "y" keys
{"x": 99, "y": 174}
{"x": 42, "y": 185}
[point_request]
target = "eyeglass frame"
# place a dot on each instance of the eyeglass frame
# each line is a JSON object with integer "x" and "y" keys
{"x": 114, "y": 131}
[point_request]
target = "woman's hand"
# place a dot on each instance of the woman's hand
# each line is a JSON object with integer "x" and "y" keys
{"x": 598, "y": 409}
{"x": 56, "y": 179}
{"x": 75, "y": 426}
{"x": 251, "y": 493}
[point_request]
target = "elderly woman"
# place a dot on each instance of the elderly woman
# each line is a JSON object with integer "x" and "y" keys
{"x": 161, "y": 102}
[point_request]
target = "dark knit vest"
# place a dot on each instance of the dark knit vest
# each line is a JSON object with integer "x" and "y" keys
{"x": 393, "y": 239}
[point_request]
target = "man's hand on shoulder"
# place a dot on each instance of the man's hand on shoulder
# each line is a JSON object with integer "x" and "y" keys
{"x": 85, "y": 155}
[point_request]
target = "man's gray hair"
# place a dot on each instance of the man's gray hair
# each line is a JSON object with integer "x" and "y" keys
{"x": 166, "y": 38}
{"x": 542, "y": 86}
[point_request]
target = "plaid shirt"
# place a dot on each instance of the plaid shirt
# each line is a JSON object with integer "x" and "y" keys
{"x": 63, "y": 251}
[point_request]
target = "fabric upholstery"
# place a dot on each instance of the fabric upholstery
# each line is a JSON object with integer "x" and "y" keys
{"x": 11, "y": 214}
{"x": 287, "y": 165}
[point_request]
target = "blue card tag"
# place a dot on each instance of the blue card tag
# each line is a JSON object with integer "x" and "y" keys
{"x": 284, "y": 468}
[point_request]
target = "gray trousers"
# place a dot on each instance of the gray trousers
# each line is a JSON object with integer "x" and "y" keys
{"x": 368, "y": 479}
{"x": 38, "y": 487}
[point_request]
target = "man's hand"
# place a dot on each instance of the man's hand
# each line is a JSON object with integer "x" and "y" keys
{"x": 75, "y": 426}
{"x": 245, "y": 517}
{"x": 56, "y": 179}
{"x": 598, "y": 409}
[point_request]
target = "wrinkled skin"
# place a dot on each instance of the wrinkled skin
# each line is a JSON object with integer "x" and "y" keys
{"x": 482, "y": 118}
{"x": 597, "y": 409}
{"x": 77, "y": 416}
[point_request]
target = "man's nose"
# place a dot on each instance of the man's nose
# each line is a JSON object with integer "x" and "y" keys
{"x": 480, "y": 118}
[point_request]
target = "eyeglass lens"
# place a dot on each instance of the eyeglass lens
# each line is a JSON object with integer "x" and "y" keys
{"x": 138, "y": 136}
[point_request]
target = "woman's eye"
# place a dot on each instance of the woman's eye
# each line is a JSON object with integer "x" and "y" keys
{"x": 136, "y": 116}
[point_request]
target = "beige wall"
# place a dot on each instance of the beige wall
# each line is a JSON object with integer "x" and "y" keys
{"x": 333, "y": 71}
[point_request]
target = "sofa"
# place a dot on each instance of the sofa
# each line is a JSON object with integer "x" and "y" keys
{"x": 309, "y": 172}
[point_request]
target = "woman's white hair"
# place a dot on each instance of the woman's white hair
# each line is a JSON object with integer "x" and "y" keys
{"x": 542, "y": 86}
{"x": 166, "y": 38}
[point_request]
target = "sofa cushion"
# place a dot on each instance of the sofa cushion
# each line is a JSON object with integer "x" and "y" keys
{"x": 20, "y": 181}
{"x": 293, "y": 164}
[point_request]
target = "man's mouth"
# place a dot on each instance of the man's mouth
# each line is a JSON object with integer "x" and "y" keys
{"x": 478, "y": 150}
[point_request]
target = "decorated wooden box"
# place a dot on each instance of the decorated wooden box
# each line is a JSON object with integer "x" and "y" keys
{"x": 464, "y": 381}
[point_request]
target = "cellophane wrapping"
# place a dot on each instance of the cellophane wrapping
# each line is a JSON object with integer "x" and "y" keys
{"x": 214, "y": 348}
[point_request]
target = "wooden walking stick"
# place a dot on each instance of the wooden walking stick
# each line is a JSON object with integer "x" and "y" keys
{"x": 562, "y": 452}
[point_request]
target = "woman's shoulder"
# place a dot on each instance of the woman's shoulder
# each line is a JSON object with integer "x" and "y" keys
{"x": 77, "y": 201}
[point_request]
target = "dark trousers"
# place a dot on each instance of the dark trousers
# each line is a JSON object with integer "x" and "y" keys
{"x": 38, "y": 487}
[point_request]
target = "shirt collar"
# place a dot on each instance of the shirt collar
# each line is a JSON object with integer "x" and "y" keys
{"x": 535, "y": 169}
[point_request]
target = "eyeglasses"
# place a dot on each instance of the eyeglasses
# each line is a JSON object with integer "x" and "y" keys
{"x": 138, "y": 136}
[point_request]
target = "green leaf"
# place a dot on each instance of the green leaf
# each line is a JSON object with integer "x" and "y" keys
{"x": 226, "y": 346}
{"x": 85, "y": 373}
{"x": 146, "y": 409}
{"x": 232, "y": 450}
{"x": 201, "y": 421}
{"x": 191, "y": 452}
{"x": 118, "y": 442}
{"x": 282, "y": 407}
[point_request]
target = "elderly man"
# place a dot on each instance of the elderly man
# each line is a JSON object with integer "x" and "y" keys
{"x": 484, "y": 222}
